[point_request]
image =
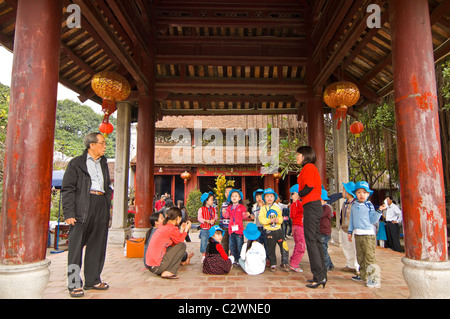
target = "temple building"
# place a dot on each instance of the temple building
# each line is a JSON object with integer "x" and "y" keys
{"x": 240, "y": 136}
{"x": 210, "y": 58}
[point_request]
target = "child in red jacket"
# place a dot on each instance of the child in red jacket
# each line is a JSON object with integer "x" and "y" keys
{"x": 236, "y": 212}
{"x": 297, "y": 230}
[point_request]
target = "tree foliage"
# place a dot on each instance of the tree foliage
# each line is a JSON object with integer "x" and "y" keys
{"x": 73, "y": 122}
{"x": 445, "y": 88}
{"x": 193, "y": 203}
{"x": 373, "y": 154}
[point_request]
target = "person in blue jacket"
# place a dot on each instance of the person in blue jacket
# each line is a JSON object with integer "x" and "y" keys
{"x": 362, "y": 217}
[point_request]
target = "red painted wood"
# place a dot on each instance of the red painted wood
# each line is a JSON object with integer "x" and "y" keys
{"x": 31, "y": 126}
{"x": 419, "y": 149}
{"x": 145, "y": 162}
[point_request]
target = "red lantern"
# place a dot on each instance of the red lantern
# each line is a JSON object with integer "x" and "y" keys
{"x": 111, "y": 87}
{"x": 185, "y": 176}
{"x": 341, "y": 95}
{"x": 356, "y": 128}
{"x": 105, "y": 127}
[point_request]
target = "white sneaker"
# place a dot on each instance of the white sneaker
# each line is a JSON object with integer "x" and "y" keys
{"x": 372, "y": 284}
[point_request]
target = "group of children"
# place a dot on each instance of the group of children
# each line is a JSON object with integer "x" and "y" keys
{"x": 357, "y": 217}
{"x": 263, "y": 234}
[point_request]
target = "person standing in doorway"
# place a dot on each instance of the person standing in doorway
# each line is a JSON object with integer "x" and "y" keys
{"x": 86, "y": 201}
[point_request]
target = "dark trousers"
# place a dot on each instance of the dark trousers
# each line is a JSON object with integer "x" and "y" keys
{"x": 275, "y": 237}
{"x": 93, "y": 234}
{"x": 312, "y": 212}
{"x": 393, "y": 236}
{"x": 171, "y": 260}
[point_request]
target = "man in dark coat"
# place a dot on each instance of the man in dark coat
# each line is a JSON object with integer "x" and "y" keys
{"x": 86, "y": 201}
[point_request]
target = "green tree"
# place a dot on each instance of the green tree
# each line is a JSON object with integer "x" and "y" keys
{"x": 73, "y": 122}
{"x": 193, "y": 203}
{"x": 373, "y": 154}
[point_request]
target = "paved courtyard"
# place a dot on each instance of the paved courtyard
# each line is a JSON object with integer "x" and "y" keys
{"x": 129, "y": 279}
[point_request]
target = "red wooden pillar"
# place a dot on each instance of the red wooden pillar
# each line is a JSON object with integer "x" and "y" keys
{"x": 316, "y": 135}
{"x": 25, "y": 212}
{"x": 419, "y": 150}
{"x": 145, "y": 162}
{"x": 30, "y": 134}
{"x": 315, "y": 105}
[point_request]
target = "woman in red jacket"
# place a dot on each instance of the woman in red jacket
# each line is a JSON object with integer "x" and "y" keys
{"x": 309, "y": 190}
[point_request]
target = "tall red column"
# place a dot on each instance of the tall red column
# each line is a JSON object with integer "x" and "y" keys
{"x": 30, "y": 134}
{"x": 316, "y": 135}
{"x": 426, "y": 269}
{"x": 315, "y": 105}
{"x": 145, "y": 162}
{"x": 419, "y": 147}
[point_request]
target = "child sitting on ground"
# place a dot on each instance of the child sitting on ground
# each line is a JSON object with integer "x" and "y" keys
{"x": 271, "y": 218}
{"x": 362, "y": 217}
{"x": 253, "y": 254}
{"x": 216, "y": 261}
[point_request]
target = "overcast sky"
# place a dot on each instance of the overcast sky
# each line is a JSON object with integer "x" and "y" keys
{"x": 6, "y": 59}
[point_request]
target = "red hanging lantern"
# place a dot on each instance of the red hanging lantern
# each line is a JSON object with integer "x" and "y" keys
{"x": 186, "y": 176}
{"x": 356, "y": 128}
{"x": 341, "y": 95}
{"x": 111, "y": 87}
{"x": 105, "y": 127}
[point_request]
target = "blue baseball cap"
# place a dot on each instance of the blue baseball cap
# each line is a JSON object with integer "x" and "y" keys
{"x": 294, "y": 189}
{"x": 235, "y": 191}
{"x": 258, "y": 191}
{"x": 324, "y": 195}
{"x": 364, "y": 185}
{"x": 213, "y": 230}
{"x": 349, "y": 188}
{"x": 251, "y": 232}
{"x": 205, "y": 196}
{"x": 269, "y": 191}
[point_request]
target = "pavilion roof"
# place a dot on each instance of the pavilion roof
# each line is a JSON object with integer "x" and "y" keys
{"x": 234, "y": 57}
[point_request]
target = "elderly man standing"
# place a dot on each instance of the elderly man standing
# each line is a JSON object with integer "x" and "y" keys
{"x": 86, "y": 201}
{"x": 393, "y": 216}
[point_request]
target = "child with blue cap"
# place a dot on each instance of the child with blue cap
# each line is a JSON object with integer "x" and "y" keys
{"x": 325, "y": 228}
{"x": 257, "y": 197}
{"x": 253, "y": 254}
{"x": 207, "y": 217}
{"x": 236, "y": 212}
{"x": 362, "y": 218}
{"x": 216, "y": 261}
{"x": 342, "y": 220}
{"x": 297, "y": 230}
{"x": 271, "y": 218}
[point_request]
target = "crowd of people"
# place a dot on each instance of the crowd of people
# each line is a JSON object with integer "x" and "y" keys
{"x": 86, "y": 200}
{"x": 306, "y": 217}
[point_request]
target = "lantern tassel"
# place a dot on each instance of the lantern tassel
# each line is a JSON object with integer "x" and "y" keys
{"x": 108, "y": 106}
{"x": 341, "y": 113}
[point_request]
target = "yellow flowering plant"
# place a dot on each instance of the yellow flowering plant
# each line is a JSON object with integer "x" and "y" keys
{"x": 219, "y": 190}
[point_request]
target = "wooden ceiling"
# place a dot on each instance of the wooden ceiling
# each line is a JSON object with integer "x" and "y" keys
{"x": 230, "y": 57}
